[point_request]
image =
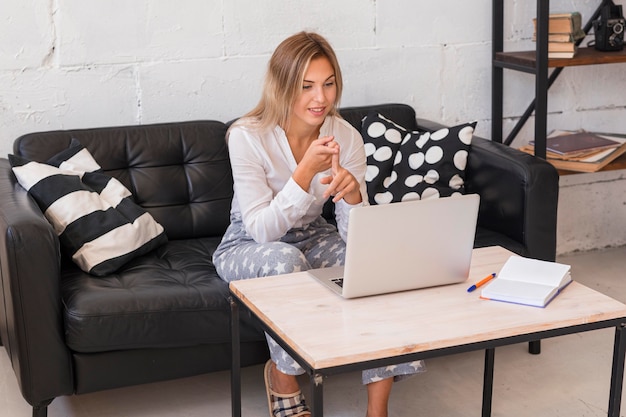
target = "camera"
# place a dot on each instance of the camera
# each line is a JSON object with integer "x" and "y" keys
{"x": 609, "y": 28}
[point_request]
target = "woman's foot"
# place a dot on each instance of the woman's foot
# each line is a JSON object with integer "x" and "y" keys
{"x": 289, "y": 403}
{"x": 282, "y": 383}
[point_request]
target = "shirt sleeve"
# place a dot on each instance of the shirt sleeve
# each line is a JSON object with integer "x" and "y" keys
{"x": 267, "y": 215}
{"x": 354, "y": 160}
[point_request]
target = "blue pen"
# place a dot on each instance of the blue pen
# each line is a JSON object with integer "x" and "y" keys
{"x": 482, "y": 282}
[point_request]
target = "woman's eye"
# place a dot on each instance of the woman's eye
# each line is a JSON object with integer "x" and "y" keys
{"x": 330, "y": 84}
{"x": 306, "y": 87}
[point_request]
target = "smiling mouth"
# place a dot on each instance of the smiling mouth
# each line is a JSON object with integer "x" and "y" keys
{"x": 317, "y": 110}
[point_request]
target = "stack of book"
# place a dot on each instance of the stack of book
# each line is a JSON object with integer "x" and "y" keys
{"x": 564, "y": 30}
{"x": 581, "y": 151}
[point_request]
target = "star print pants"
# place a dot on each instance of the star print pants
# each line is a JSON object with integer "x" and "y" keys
{"x": 318, "y": 245}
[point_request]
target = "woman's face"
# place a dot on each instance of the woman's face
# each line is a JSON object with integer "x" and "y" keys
{"x": 317, "y": 96}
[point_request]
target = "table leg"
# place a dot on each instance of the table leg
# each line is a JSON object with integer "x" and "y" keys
{"x": 235, "y": 370}
{"x": 617, "y": 371}
{"x": 317, "y": 394}
{"x": 534, "y": 347}
{"x": 488, "y": 381}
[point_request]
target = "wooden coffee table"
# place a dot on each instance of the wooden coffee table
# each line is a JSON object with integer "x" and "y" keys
{"x": 328, "y": 335}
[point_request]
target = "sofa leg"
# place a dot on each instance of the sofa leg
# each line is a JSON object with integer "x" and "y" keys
{"x": 534, "y": 347}
{"x": 41, "y": 410}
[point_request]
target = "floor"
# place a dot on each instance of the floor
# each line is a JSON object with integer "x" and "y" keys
{"x": 569, "y": 378}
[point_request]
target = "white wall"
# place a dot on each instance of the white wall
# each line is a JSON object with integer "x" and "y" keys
{"x": 592, "y": 211}
{"x": 82, "y": 63}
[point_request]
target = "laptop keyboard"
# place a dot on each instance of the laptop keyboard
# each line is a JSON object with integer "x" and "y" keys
{"x": 338, "y": 281}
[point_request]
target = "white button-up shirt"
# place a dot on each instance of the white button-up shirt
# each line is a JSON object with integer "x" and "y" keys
{"x": 269, "y": 200}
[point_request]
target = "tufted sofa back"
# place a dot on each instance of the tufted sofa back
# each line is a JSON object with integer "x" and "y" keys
{"x": 179, "y": 172}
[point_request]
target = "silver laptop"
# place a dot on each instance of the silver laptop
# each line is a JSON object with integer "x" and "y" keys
{"x": 405, "y": 246}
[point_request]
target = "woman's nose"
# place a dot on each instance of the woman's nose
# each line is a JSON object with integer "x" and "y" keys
{"x": 320, "y": 95}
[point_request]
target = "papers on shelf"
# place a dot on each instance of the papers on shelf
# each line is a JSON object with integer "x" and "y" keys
{"x": 579, "y": 143}
{"x": 588, "y": 158}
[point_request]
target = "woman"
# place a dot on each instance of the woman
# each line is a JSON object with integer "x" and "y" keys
{"x": 289, "y": 155}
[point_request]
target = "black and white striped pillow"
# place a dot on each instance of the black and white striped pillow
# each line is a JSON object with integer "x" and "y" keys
{"x": 93, "y": 214}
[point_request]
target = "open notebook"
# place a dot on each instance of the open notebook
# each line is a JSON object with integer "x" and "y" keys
{"x": 404, "y": 246}
{"x": 528, "y": 281}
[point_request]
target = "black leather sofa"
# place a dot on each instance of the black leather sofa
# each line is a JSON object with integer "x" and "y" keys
{"x": 166, "y": 315}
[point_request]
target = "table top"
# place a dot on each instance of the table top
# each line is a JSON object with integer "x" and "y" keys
{"x": 327, "y": 330}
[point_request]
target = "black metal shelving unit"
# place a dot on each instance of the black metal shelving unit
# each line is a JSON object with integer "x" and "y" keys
{"x": 537, "y": 63}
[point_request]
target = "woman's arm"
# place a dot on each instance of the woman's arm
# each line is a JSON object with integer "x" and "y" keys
{"x": 352, "y": 159}
{"x": 268, "y": 213}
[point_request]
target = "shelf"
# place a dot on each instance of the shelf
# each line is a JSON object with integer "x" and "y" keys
{"x": 536, "y": 62}
{"x": 584, "y": 56}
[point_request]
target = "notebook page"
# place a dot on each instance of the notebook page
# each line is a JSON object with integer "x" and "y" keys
{"x": 522, "y": 269}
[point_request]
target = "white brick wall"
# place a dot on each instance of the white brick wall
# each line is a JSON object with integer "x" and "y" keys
{"x": 84, "y": 63}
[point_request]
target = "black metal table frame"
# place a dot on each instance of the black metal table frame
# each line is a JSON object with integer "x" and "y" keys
{"x": 316, "y": 376}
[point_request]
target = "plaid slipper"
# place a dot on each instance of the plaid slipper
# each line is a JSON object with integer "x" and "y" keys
{"x": 284, "y": 405}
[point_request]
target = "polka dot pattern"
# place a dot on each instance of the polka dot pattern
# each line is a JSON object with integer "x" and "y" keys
{"x": 409, "y": 165}
{"x": 381, "y": 148}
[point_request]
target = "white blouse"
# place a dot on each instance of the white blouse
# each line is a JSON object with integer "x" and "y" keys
{"x": 270, "y": 202}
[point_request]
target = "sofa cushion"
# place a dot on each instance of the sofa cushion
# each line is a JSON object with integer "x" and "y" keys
{"x": 432, "y": 164}
{"x": 402, "y": 114}
{"x": 98, "y": 224}
{"x": 486, "y": 237}
{"x": 407, "y": 165}
{"x": 170, "y": 297}
{"x": 382, "y": 138}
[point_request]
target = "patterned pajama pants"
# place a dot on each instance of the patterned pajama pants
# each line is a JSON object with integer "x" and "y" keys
{"x": 317, "y": 245}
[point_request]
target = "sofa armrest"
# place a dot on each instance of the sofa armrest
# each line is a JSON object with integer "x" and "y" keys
{"x": 518, "y": 194}
{"x": 31, "y": 321}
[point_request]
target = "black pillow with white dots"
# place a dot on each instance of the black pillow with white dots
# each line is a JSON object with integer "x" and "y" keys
{"x": 407, "y": 165}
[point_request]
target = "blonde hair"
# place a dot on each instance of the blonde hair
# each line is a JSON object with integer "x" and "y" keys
{"x": 284, "y": 79}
